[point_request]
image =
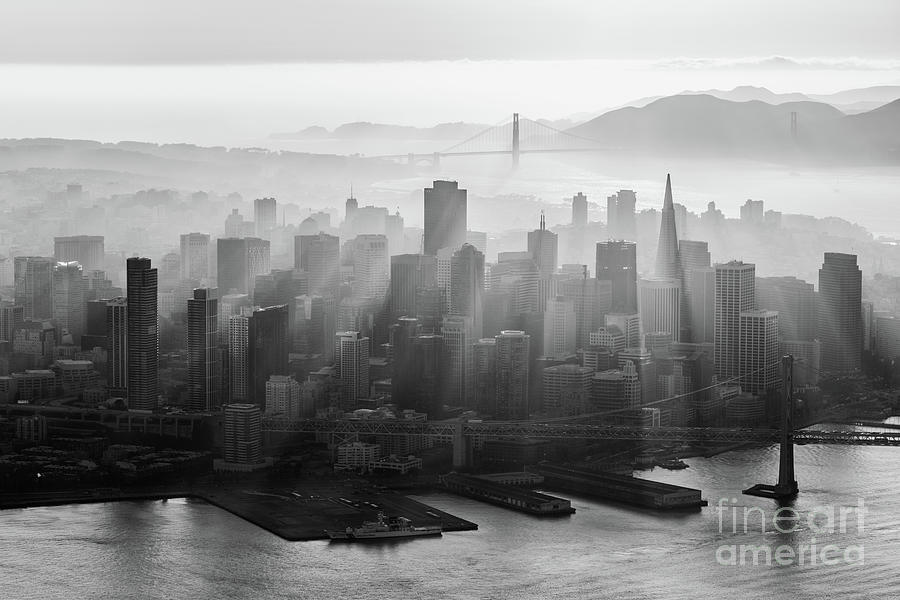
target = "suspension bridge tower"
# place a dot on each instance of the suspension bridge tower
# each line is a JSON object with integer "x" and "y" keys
{"x": 515, "y": 141}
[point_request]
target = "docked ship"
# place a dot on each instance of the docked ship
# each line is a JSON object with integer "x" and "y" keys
{"x": 383, "y": 528}
{"x": 673, "y": 464}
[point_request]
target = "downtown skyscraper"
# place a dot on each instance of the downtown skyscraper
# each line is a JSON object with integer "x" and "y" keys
{"x": 617, "y": 263}
{"x": 203, "y": 350}
{"x": 735, "y": 294}
{"x": 840, "y": 313}
{"x": 445, "y": 217}
{"x": 667, "y": 262}
{"x": 319, "y": 256}
{"x": 143, "y": 335}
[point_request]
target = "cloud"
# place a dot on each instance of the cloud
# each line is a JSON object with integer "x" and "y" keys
{"x": 850, "y": 63}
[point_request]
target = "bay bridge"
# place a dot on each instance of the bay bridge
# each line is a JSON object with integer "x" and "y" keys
{"x": 462, "y": 433}
{"x": 516, "y": 137}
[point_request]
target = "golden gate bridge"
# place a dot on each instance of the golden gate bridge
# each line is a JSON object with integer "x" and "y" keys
{"x": 514, "y": 137}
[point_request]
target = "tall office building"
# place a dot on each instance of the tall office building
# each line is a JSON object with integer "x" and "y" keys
{"x": 239, "y": 261}
{"x": 143, "y": 335}
{"x": 195, "y": 256}
{"x": 660, "y": 306}
{"x": 117, "y": 346}
{"x": 517, "y": 276}
{"x": 795, "y": 302}
{"x": 351, "y": 357}
{"x": 320, "y": 256}
{"x": 467, "y": 286}
{"x": 566, "y": 389}
{"x": 840, "y": 313}
{"x": 68, "y": 298}
{"x": 579, "y": 210}
{"x": 203, "y": 350}
{"x": 265, "y": 215}
{"x": 484, "y": 371}
{"x": 692, "y": 255}
{"x": 258, "y": 260}
{"x": 33, "y": 277}
{"x": 231, "y": 265}
{"x": 445, "y": 216}
{"x": 268, "y": 345}
{"x": 511, "y": 400}
{"x": 620, "y": 219}
{"x": 559, "y": 328}
{"x": 592, "y": 299}
{"x": 667, "y": 261}
{"x": 283, "y": 396}
{"x": 735, "y": 293}
{"x": 409, "y": 273}
{"x": 543, "y": 245}
{"x": 703, "y": 306}
{"x": 759, "y": 361}
{"x": 629, "y": 324}
{"x": 11, "y": 317}
{"x": 371, "y": 266}
{"x": 87, "y": 250}
{"x": 617, "y": 263}
{"x": 458, "y": 338}
{"x": 243, "y": 434}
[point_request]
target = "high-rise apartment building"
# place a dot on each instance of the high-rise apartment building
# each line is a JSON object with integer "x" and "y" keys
{"x": 283, "y": 396}
{"x": 143, "y": 335}
{"x": 204, "y": 373}
{"x": 242, "y": 435}
{"x": 117, "y": 346}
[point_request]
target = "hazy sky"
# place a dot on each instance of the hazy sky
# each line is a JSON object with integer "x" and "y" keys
{"x": 217, "y": 31}
{"x": 231, "y": 72}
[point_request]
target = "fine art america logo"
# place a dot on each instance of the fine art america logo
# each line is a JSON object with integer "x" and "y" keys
{"x": 823, "y": 521}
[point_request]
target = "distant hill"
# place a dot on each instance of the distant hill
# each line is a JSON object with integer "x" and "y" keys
{"x": 366, "y": 130}
{"x": 705, "y": 125}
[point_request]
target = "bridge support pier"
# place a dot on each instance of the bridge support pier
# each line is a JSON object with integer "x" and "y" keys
{"x": 787, "y": 484}
{"x": 436, "y": 161}
{"x": 460, "y": 447}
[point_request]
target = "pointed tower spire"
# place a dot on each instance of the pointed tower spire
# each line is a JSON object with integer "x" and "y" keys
{"x": 667, "y": 249}
{"x": 667, "y": 202}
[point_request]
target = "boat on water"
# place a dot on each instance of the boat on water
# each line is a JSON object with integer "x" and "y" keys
{"x": 383, "y": 528}
{"x": 673, "y": 464}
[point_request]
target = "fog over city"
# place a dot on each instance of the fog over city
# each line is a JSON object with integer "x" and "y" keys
{"x": 597, "y": 299}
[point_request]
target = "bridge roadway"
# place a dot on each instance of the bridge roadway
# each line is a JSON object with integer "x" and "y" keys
{"x": 459, "y": 429}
